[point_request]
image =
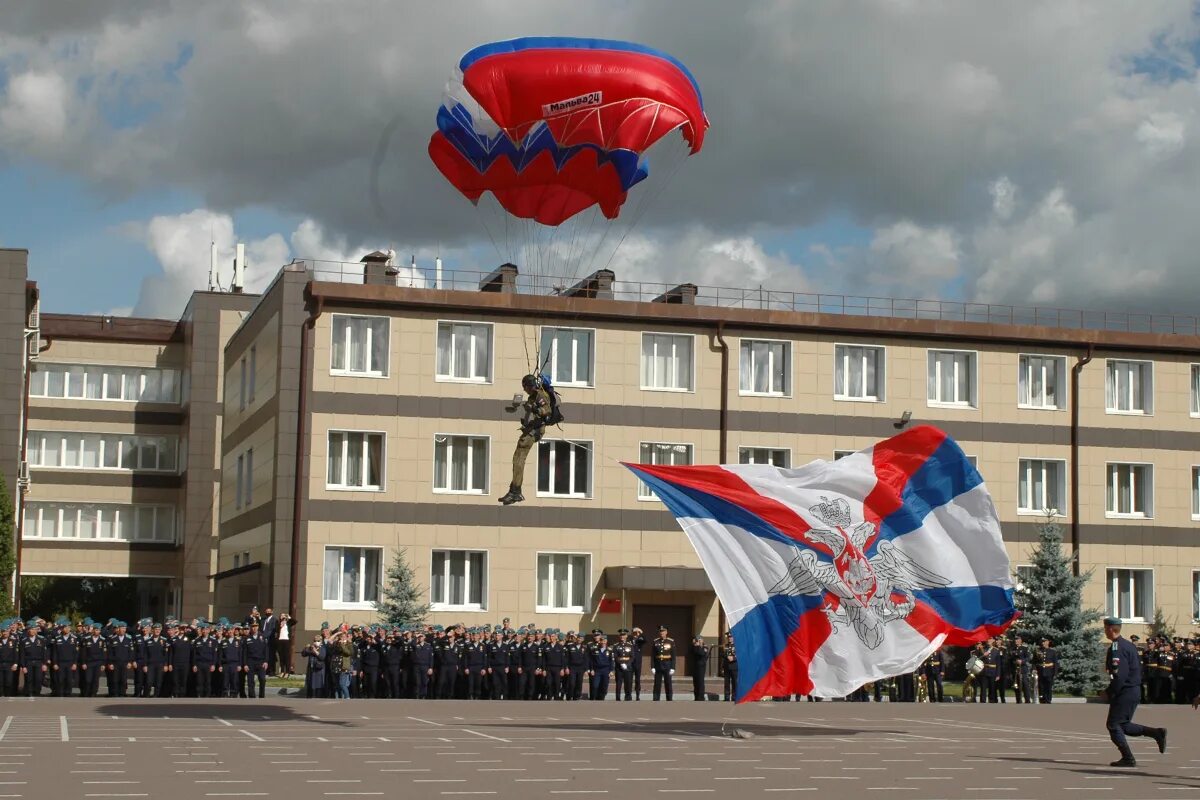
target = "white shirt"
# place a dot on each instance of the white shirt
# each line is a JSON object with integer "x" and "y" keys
{"x": 283, "y": 631}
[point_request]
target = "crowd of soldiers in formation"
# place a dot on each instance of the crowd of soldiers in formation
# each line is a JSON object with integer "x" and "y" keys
{"x": 502, "y": 663}
{"x": 200, "y": 659}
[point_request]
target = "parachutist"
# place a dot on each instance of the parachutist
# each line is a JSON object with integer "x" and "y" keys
{"x": 537, "y": 412}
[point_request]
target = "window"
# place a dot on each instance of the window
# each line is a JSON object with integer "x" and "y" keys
{"x": 1023, "y": 576}
{"x": 973, "y": 461}
{"x": 248, "y": 490}
{"x": 563, "y": 582}
{"x": 80, "y": 450}
{"x": 109, "y": 521}
{"x": 242, "y": 389}
{"x": 1040, "y": 381}
{"x": 237, "y": 560}
{"x": 1195, "y": 492}
{"x": 775, "y": 456}
{"x": 1131, "y": 594}
{"x": 667, "y": 362}
{"x": 240, "y": 499}
{"x": 360, "y": 345}
{"x": 1041, "y": 486}
{"x": 352, "y": 576}
{"x": 766, "y": 367}
{"x": 564, "y": 468}
{"x": 458, "y": 581}
{"x": 1129, "y": 387}
{"x": 247, "y": 368}
{"x": 951, "y": 378}
{"x": 1196, "y": 390}
{"x": 97, "y": 382}
{"x": 1196, "y": 595}
{"x": 464, "y": 352}
{"x": 674, "y": 455}
{"x": 1130, "y": 490}
{"x": 857, "y": 372}
{"x": 355, "y": 460}
{"x": 460, "y": 464}
{"x": 567, "y": 356}
{"x": 253, "y": 373}
{"x": 838, "y": 455}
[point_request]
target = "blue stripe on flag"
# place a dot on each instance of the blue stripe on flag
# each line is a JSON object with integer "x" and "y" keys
{"x": 969, "y": 607}
{"x": 761, "y": 635}
{"x": 945, "y": 475}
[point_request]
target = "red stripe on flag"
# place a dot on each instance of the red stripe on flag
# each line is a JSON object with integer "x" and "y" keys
{"x": 727, "y": 486}
{"x": 926, "y": 621}
{"x": 896, "y": 460}
{"x": 788, "y": 673}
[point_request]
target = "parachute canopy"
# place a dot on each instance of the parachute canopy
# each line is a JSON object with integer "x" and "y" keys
{"x": 553, "y": 126}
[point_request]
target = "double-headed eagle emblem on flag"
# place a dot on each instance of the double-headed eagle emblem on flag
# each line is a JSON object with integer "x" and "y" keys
{"x": 863, "y": 593}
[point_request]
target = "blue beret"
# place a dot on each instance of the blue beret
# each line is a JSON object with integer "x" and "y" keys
{"x": 1112, "y": 621}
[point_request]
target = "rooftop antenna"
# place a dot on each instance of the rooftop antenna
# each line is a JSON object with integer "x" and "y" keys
{"x": 239, "y": 267}
{"x": 437, "y": 272}
{"x": 412, "y": 270}
{"x": 212, "y": 265}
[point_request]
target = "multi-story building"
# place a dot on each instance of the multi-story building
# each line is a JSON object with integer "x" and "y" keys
{"x": 345, "y": 422}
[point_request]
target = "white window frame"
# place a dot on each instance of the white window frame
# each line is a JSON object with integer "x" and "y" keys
{"x": 1018, "y": 584}
{"x": 642, "y": 354}
{"x": 253, "y": 377}
{"x": 747, "y": 449}
{"x": 1195, "y": 590}
{"x": 38, "y": 382}
{"x": 491, "y": 354}
{"x": 1194, "y": 388}
{"x": 551, "y": 359}
{"x": 587, "y": 582}
{"x": 1060, "y": 383}
{"x": 482, "y": 606}
{"x": 931, "y": 365}
{"x": 242, "y": 385}
{"x": 239, "y": 500}
{"x": 1195, "y": 492}
{"x": 487, "y": 475}
{"x": 838, "y": 455}
{"x": 1060, "y": 486}
{"x": 1108, "y": 478}
{"x": 786, "y": 391}
{"x": 37, "y": 510}
{"x": 36, "y": 451}
{"x": 590, "y": 448}
{"x": 358, "y": 605}
{"x": 1111, "y": 583}
{"x": 368, "y": 372}
{"x": 644, "y": 492}
{"x": 248, "y": 491}
{"x": 341, "y": 487}
{"x": 840, "y": 356}
{"x": 972, "y": 460}
{"x": 1147, "y": 388}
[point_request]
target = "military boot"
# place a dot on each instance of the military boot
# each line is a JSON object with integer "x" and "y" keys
{"x": 514, "y": 495}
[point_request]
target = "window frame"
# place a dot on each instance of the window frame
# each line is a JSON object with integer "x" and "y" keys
{"x": 1061, "y": 487}
{"x": 1193, "y": 389}
{"x": 239, "y": 478}
{"x": 787, "y": 451}
{"x": 367, "y": 373}
{"x": 39, "y": 382}
{"x": 787, "y": 371}
{"x": 589, "y": 446}
{"x": 1108, "y": 585}
{"x": 1147, "y": 389}
{"x": 838, "y": 455}
{"x": 652, "y": 497}
{"x": 35, "y": 509}
{"x": 587, "y": 582}
{"x": 491, "y": 356}
{"x": 1195, "y": 492}
{"x": 1060, "y": 386}
{"x": 485, "y": 588}
{"x": 972, "y": 402}
{"x": 356, "y": 605}
{"x": 880, "y": 373}
{"x": 591, "y": 378}
{"x": 487, "y": 478}
{"x": 106, "y": 437}
{"x": 1195, "y": 591}
{"x": 1109, "y": 514}
{"x": 642, "y": 354}
{"x": 336, "y": 487}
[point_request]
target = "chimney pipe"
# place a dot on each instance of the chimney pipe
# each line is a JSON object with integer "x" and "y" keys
{"x": 437, "y": 273}
{"x": 239, "y": 268}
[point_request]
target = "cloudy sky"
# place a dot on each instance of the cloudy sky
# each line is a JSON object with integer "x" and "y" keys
{"x": 1030, "y": 153}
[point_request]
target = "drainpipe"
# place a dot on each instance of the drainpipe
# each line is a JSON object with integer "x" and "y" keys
{"x": 1080, "y": 363}
{"x": 724, "y": 392}
{"x": 315, "y": 305}
{"x": 19, "y": 522}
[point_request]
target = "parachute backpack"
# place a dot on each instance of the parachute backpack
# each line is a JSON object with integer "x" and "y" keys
{"x": 556, "y": 416}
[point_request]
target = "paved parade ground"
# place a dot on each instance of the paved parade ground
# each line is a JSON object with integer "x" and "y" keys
{"x": 290, "y": 748}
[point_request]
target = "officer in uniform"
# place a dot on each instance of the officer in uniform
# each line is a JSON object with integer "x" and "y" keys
{"x": 1047, "y": 669}
{"x": 530, "y": 665}
{"x": 662, "y": 659}
{"x": 638, "y": 640}
{"x": 1123, "y": 693}
{"x": 393, "y": 663}
{"x": 935, "y": 672}
{"x": 121, "y": 657}
{"x": 554, "y": 666}
{"x": 497, "y": 654}
{"x": 35, "y": 657}
{"x": 158, "y": 652}
{"x": 698, "y": 661}
{"x": 204, "y": 660}
{"x": 990, "y": 674}
{"x": 1022, "y": 667}
{"x": 64, "y": 659}
{"x": 180, "y": 665}
{"x": 370, "y": 659}
{"x": 421, "y": 667}
{"x": 729, "y": 666}
{"x": 448, "y": 659}
{"x": 258, "y": 656}
{"x": 10, "y": 661}
{"x": 623, "y": 655}
{"x": 537, "y": 411}
{"x": 231, "y": 662}
{"x": 474, "y": 664}
{"x": 601, "y": 668}
{"x": 93, "y": 656}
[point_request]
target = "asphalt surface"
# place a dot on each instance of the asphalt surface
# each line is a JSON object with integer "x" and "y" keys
{"x": 295, "y": 748}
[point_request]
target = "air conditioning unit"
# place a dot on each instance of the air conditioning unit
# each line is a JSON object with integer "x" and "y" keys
{"x": 35, "y": 315}
{"x": 23, "y": 474}
{"x": 33, "y": 344}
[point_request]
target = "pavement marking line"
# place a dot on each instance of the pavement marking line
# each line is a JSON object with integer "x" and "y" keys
{"x": 794, "y": 789}
{"x": 427, "y": 722}
{"x": 407, "y": 770}
{"x": 579, "y": 791}
{"x": 439, "y": 780}
{"x": 224, "y": 722}
{"x": 4, "y": 728}
{"x": 225, "y": 781}
{"x": 487, "y": 736}
{"x": 744, "y": 778}
{"x": 641, "y": 779}
{"x": 334, "y": 780}
{"x": 253, "y": 736}
{"x": 235, "y": 794}
{"x": 62, "y": 728}
{"x": 680, "y": 791}
{"x": 306, "y": 770}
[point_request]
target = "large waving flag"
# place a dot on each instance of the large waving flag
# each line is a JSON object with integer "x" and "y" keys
{"x": 839, "y": 573}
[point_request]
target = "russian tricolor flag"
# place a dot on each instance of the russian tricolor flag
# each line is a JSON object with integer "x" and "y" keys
{"x": 842, "y": 572}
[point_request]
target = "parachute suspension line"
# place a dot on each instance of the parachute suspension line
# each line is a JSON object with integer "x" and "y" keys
{"x": 644, "y": 203}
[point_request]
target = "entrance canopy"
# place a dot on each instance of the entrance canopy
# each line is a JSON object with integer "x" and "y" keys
{"x": 679, "y": 579}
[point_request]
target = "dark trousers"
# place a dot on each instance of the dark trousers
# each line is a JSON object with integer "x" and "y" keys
{"x": 33, "y": 678}
{"x": 526, "y": 684}
{"x": 624, "y": 684}
{"x": 119, "y": 680}
{"x": 203, "y": 681}
{"x": 8, "y": 680}
{"x": 139, "y": 680}
{"x": 1045, "y": 687}
{"x": 987, "y": 689}
{"x": 1001, "y": 687}
{"x": 663, "y": 677}
{"x": 447, "y": 676}
{"x": 936, "y": 692}
{"x": 62, "y": 681}
{"x": 283, "y": 649}
{"x": 637, "y": 678}
{"x": 731, "y": 680}
{"x": 229, "y": 683}
{"x": 420, "y": 681}
{"x": 257, "y": 672}
{"x": 1120, "y": 719}
{"x": 575, "y": 683}
{"x": 698, "y": 692}
{"x": 499, "y": 681}
{"x": 474, "y": 683}
{"x": 394, "y": 686}
{"x": 370, "y": 682}
{"x": 1024, "y": 690}
{"x": 152, "y": 681}
{"x": 89, "y": 680}
{"x": 600, "y": 684}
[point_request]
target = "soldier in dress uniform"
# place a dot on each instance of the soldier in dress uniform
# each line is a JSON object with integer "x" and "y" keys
{"x": 139, "y": 656}
{"x": 474, "y": 664}
{"x": 935, "y": 672}
{"x": 448, "y": 660}
{"x": 179, "y": 667}
{"x": 623, "y": 656}
{"x": 370, "y": 661}
{"x": 990, "y": 674}
{"x": 258, "y": 657}
{"x": 530, "y": 663}
{"x": 729, "y": 666}
{"x": 554, "y": 666}
{"x": 1022, "y": 669}
{"x": 393, "y": 663}
{"x": 1047, "y": 670}
{"x": 1123, "y": 692}
{"x": 1003, "y": 678}
{"x": 231, "y": 661}
{"x": 158, "y": 653}
{"x": 10, "y": 660}
{"x": 204, "y": 660}
{"x": 64, "y": 659}
{"x": 497, "y": 655}
{"x": 93, "y": 656}
{"x": 601, "y": 668}
{"x": 35, "y": 658}
{"x": 121, "y": 657}
{"x": 662, "y": 659}
{"x": 638, "y": 640}
{"x": 698, "y": 662}
{"x": 421, "y": 669}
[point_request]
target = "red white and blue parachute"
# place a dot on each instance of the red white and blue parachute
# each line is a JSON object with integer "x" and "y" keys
{"x": 554, "y": 126}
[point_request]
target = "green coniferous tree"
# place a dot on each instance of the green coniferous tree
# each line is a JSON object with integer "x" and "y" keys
{"x": 8, "y": 549}
{"x": 1161, "y": 626}
{"x": 401, "y": 601}
{"x": 1050, "y": 600}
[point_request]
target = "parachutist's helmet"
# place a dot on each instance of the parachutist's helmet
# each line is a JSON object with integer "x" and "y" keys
{"x": 529, "y": 383}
